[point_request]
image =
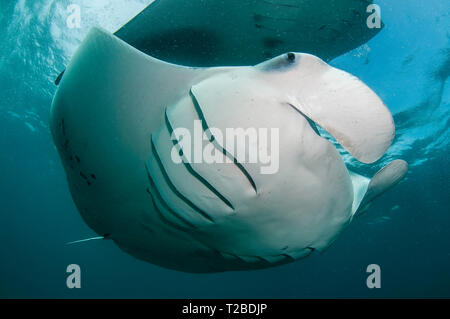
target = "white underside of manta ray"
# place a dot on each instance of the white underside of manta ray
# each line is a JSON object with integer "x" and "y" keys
{"x": 112, "y": 119}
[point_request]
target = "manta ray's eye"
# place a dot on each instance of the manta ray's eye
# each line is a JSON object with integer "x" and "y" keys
{"x": 291, "y": 57}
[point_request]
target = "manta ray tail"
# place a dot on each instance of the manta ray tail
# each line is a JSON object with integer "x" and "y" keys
{"x": 106, "y": 236}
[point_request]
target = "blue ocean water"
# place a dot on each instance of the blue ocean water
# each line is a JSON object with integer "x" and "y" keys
{"x": 406, "y": 231}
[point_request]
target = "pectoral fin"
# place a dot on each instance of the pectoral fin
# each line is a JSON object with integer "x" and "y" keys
{"x": 384, "y": 179}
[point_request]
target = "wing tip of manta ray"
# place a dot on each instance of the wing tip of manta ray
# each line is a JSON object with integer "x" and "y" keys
{"x": 383, "y": 180}
{"x": 98, "y": 38}
{"x": 388, "y": 176}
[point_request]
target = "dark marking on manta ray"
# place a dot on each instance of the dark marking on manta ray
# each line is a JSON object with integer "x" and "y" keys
{"x": 259, "y": 18}
{"x": 268, "y": 54}
{"x": 77, "y": 158}
{"x": 63, "y": 126}
{"x": 58, "y": 79}
{"x": 346, "y": 22}
{"x": 198, "y": 43}
{"x": 93, "y": 176}
{"x": 281, "y": 4}
{"x": 356, "y": 13}
{"x": 271, "y": 43}
{"x": 260, "y": 26}
{"x": 336, "y": 33}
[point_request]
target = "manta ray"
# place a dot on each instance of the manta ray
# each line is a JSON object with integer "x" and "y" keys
{"x": 114, "y": 118}
{"x": 237, "y": 32}
{"x": 246, "y": 32}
